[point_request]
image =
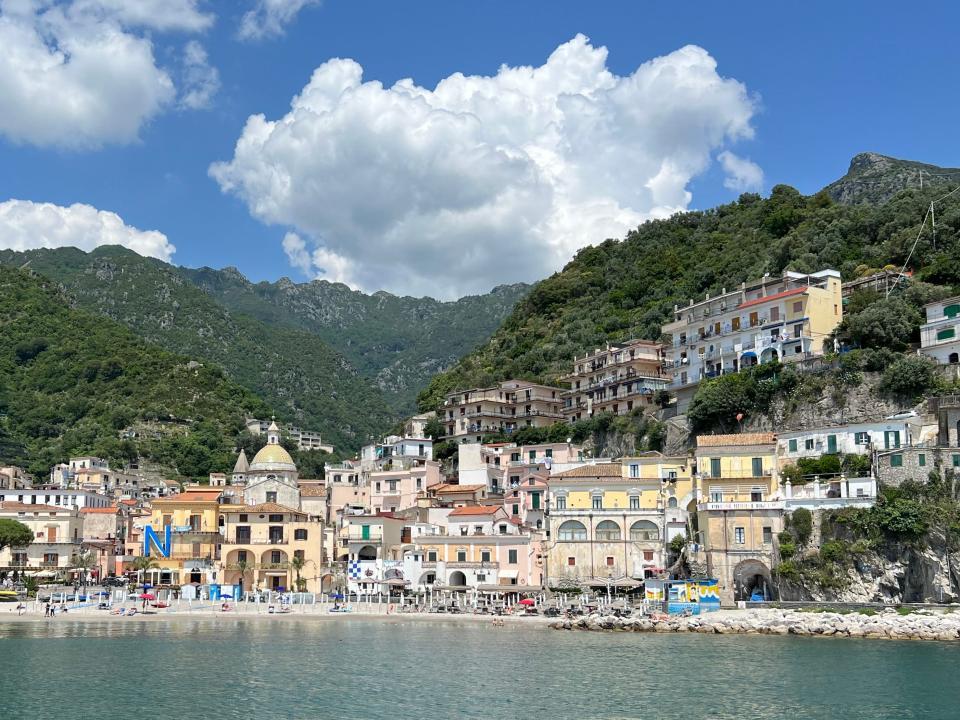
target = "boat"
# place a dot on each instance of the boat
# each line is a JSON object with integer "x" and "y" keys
{"x": 9, "y": 596}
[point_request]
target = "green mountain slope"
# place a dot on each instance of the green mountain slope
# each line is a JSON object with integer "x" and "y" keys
{"x": 71, "y": 381}
{"x": 627, "y": 288}
{"x": 299, "y": 375}
{"x": 874, "y": 179}
{"x": 397, "y": 342}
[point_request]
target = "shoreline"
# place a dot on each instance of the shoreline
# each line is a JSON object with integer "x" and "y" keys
{"x": 886, "y": 624}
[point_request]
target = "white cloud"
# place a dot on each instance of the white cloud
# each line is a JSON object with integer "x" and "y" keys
{"x": 742, "y": 174}
{"x": 26, "y": 225}
{"x": 201, "y": 81}
{"x": 269, "y": 18}
{"x": 483, "y": 180}
{"x": 82, "y": 74}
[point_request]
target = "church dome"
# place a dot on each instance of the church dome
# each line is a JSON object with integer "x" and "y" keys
{"x": 272, "y": 457}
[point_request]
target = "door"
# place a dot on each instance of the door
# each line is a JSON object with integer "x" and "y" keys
{"x": 831, "y": 443}
{"x": 364, "y": 532}
{"x": 535, "y": 497}
{"x": 51, "y": 534}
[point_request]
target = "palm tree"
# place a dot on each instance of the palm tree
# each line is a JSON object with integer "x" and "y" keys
{"x": 298, "y": 563}
{"x": 141, "y": 565}
{"x": 242, "y": 566}
{"x": 83, "y": 561}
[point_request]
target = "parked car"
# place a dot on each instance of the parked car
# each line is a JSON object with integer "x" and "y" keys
{"x": 115, "y": 582}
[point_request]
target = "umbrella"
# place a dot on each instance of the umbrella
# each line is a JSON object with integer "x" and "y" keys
{"x": 148, "y": 596}
{"x": 528, "y": 601}
{"x": 226, "y": 596}
{"x": 336, "y": 596}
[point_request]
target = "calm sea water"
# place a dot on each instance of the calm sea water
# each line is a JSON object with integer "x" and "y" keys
{"x": 368, "y": 669}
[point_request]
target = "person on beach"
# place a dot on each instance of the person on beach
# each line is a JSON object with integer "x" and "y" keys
{"x": 46, "y": 610}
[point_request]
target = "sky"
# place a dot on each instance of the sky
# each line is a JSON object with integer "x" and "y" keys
{"x": 440, "y": 148}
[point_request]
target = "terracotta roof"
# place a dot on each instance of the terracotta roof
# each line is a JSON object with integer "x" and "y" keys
{"x": 735, "y": 440}
{"x": 775, "y": 296}
{"x": 23, "y": 507}
{"x": 269, "y": 507}
{"x": 313, "y": 491}
{"x": 191, "y": 496}
{"x": 475, "y": 510}
{"x": 598, "y": 470}
{"x": 452, "y": 488}
{"x": 109, "y": 510}
{"x": 131, "y": 503}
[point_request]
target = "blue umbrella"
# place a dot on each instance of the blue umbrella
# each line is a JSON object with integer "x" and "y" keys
{"x": 226, "y": 596}
{"x": 336, "y": 596}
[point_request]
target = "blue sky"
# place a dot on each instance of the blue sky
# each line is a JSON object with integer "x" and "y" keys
{"x": 825, "y": 81}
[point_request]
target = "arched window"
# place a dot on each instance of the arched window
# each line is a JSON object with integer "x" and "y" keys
{"x": 644, "y": 530}
{"x": 672, "y": 502}
{"x": 572, "y": 531}
{"x": 608, "y": 531}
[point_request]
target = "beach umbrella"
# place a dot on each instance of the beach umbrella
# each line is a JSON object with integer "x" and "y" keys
{"x": 148, "y": 596}
{"x": 528, "y": 601}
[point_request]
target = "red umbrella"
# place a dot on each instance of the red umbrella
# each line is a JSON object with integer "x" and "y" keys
{"x": 148, "y": 596}
{"x": 528, "y": 601}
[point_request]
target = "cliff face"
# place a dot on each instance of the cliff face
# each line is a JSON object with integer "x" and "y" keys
{"x": 874, "y": 179}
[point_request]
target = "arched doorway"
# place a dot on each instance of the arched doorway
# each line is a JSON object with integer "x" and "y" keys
{"x": 769, "y": 355}
{"x": 458, "y": 579}
{"x": 751, "y": 579}
{"x": 367, "y": 552}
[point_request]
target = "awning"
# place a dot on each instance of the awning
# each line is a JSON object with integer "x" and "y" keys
{"x": 748, "y": 353}
{"x": 509, "y": 574}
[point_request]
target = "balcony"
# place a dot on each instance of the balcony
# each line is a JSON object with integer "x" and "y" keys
{"x": 742, "y": 505}
{"x": 276, "y": 540}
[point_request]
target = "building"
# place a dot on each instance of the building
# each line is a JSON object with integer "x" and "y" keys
{"x": 371, "y": 547}
{"x": 305, "y": 439}
{"x": 416, "y": 426}
{"x": 940, "y": 334}
{"x": 498, "y": 465}
{"x": 675, "y": 476}
{"x": 503, "y": 408}
{"x": 894, "y": 467}
{"x": 272, "y": 475}
{"x": 68, "y": 499}
{"x": 883, "y": 282}
{"x": 525, "y": 499}
{"x": 787, "y": 318}
{"x": 830, "y": 493}
{"x": 605, "y": 529}
{"x": 853, "y": 439}
{"x": 617, "y": 379}
{"x": 193, "y": 519}
{"x": 14, "y": 478}
{"x": 58, "y": 540}
{"x": 396, "y": 489}
{"x": 271, "y": 546}
{"x": 395, "y": 451}
{"x": 739, "y": 511}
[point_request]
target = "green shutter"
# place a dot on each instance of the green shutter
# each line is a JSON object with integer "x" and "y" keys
{"x": 831, "y": 443}
{"x": 922, "y": 460}
{"x": 946, "y": 334}
{"x": 536, "y": 500}
{"x": 951, "y": 311}
{"x": 757, "y": 464}
{"x": 364, "y": 532}
{"x": 715, "y": 467}
{"x": 956, "y": 460}
{"x": 793, "y": 446}
{"x": 896, "y": 461}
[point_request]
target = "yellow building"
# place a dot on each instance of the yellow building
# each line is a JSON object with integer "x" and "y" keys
{"x": 271, "y": 546}
{"x": 193, "y": 519}
{"x": 739, "y": 512}
{"x": 605, "y": 527}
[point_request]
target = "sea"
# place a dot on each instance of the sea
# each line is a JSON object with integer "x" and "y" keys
{"x": 361, "y": 668}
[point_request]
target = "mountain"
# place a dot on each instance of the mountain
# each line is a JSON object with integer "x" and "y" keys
{"x": 628, "y": 288}
{"x": 321, "y": 355}
{"x": 875, "y": 179}
{"x": 301, "y": 377}
{"x": 71, "y": 382}
{"x": 399, "y": 343}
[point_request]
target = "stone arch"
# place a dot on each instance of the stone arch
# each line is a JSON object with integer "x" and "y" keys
{"x": 428, "y": 578}
{"x": 572, "y": 531}
{"x": 267, "y": 557}
{"x": 644, "y": 531}
{"x": 749, "y": 577}
{"x": 769, "y": 354}
{"x": 367, "y": 552}
{"x": 457, "y": 579}
{"x": 608, "y": 531}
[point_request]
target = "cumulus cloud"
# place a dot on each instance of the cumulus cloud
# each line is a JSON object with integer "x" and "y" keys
{"x": 82, "y": 74}
{"x": 201, "y": 81}
{"x": 742, "y": 174}
{"x": 26, "y": 225}
{"x": 269, "y": 18}
{"x": 483, "y": 179}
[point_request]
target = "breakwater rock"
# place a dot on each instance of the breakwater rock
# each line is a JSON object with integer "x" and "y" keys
{"x": 887, "y": 624}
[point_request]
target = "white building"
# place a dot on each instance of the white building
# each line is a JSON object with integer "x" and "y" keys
{"x": 855, "y": 439}
{"x": 940, "y": 335}
{"x": 830, "y": 494}
{"x": 66, "y": 499}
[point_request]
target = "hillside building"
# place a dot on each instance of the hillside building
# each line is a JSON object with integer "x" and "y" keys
{"x": 940, "y": 334}
{"x": 503, "y": 408}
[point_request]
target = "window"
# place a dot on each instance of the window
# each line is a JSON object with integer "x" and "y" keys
{"x": 597, "y": 502}
{"x": 571, "y": 561}
{"x": 464, "y": 530}
{"x": 634, "y": 502}
{"x": 672, "y": 502}
{"x": 271, "y": 496}
{"x": 793, "y": 446}
{"x": 608, "y": 531}
{"x": 485, "y": 556}
{"x": 946, "y": 334}
{"x": 897, "y": 460}
{"x": 634, "y": 470}
{"x": 432, "y": 556}
{"x": 739, "y": 536}
{"x": 516, "y": 509}
{"x": 861, "y": 438}
{"x": 241, "y": 555}
{"x": 276, "y": 557}
{"x": 535, "y": 500}
{"x": 754, "y": 319}
{"x": 548, "y": 452}
{"x": 275, "y": 518}
{"x": 461, "y": 555}
{"x": 715, "y": 467}
{"x": 532, "y": 454}
{"x": 922, "y": 460}
{"x": 644, "y": 530}
{"x": 757, "y": 466}
{"x": 735, "y": 324}
{"x": 511, "y": 557}
{"x": 51, "y": 559}
{"x": 378, "y": 486}
{"x": 798, "y": 330}
{"x": 798, "y": 306}
{"x": 951, "y": 311}
{"x": 419, "y": 483}
{"x": 561, "y": 502}
{"x": 891, "y": 439}
{"x": 478, "y": 529}
{"x": 956, "y": 460}
{"x": 767, "y": 535}
{"x": 808, "y": 444}
{"x": 716, "y": 495}
{"x": 774, "y": 314}
{"x": 756, "y": 496}
{"x": 572, "y": 531}
{"x": 300, "y": 534}
{"x": 503, "y": 529}
{"x": 831, "y": 443}
{"x": 609, "y": 560}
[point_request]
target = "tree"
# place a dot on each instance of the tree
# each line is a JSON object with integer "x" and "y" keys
{"x": 14, "y": 534}
{"x": 298, "y": 563}
{"x": 242, "y": 567}
{"x": 141, "y": 565}
{"x": 887, "y": 323}
{"x": 908, "y": 378}
{"x": 82, "y": 562}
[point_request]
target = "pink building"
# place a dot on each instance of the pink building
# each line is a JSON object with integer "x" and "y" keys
{"x": 397, "y": 489}
{"x": 526, "y": 497}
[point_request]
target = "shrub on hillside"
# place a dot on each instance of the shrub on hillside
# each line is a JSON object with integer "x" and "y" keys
{"x": 908, "y": 378}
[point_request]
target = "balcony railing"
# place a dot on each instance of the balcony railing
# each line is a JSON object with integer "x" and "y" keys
{"x": 742, "y": 505}
{"x": 276, "y": 540}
